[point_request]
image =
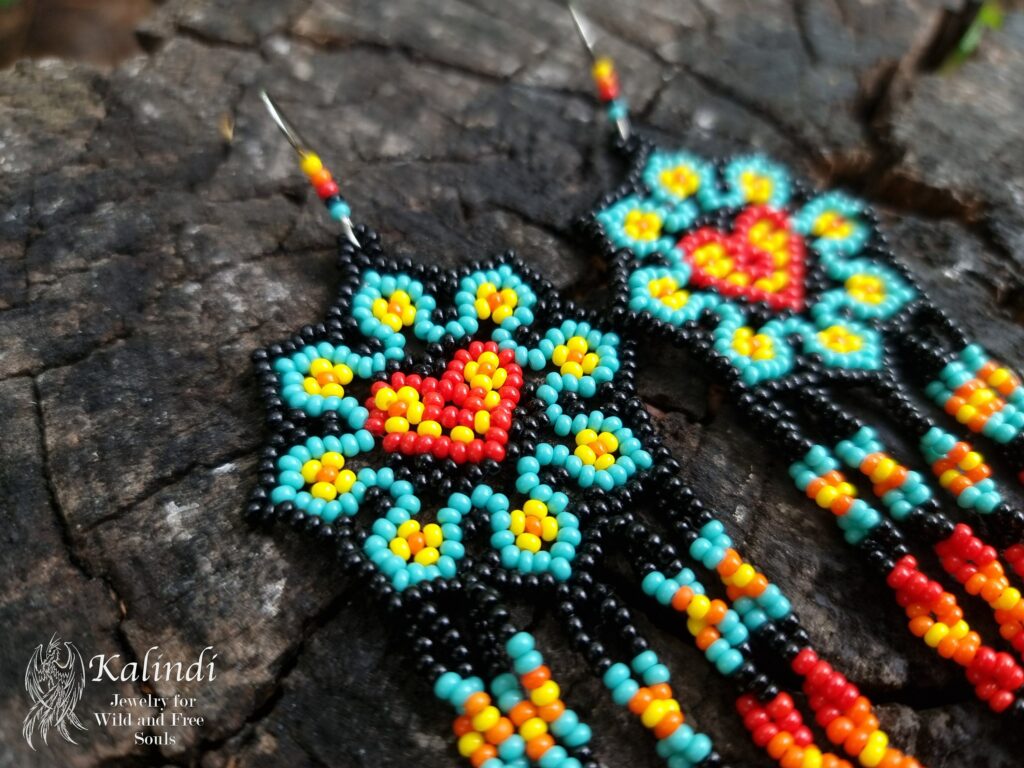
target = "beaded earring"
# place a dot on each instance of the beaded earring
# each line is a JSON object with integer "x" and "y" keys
{"x": 791, "y": 299}
{"x": 467, "y": 438}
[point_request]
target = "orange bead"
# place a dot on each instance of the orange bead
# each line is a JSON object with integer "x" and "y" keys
{"x": 716, "y": 612}
{"x": 920, "y": 626}
{"x": 681, "y": 599}
{"x": 969, "y": 646}
{"x": 499, "y": 732}
{"x": 979, "y": 473}
{"x": 814, "y": 487}
{"x": 661, "y": 691}
{"x": 727, "y": 565}
{"x": 668, "y": 724}
{"x": 522, "y": 712}
{"x": 959, "y": 485}
{"x": 833, "y": 477}
{"x": 960, "y": 450}
{"x": 533, "y": 525}
{"x": 856, "y": 741}
{"x": 536, "y": 678}
{"x": 463, "y": 724}
{"x": 757, "y": 585}
{"x": 841, "y": 505}
{"x": 551, "y": 712}
{"x": 839, "y": 730}
{"x": 947, "y": 647}
{"x": 476, "y": 702}
{"x": 991, "y": 591}
{"x": 871, "y": 461}
{"x": 640, "y": 701}
{"x": 538, "y": 745}
{"x": 780, "y": 742}
{"x": 828, "y": 760}
{"x": 794, "y": 757}
{"x": 706, "y": 637}
{"x": 860, "y": 709}
{"x": 891, "y": 759}
{"x": 326, "y": 377}
{"x": 327, "y": 474}
{"x": 974, "y": 584}
{"x": 417, "y": 541}
{"x": 482, "y": 754}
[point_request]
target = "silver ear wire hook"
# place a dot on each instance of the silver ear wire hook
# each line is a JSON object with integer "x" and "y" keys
{"x": 604, "y": 75}
{"x": 336, "y": 204}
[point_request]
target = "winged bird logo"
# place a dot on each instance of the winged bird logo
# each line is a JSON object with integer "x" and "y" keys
{"x": 54, "y": 679}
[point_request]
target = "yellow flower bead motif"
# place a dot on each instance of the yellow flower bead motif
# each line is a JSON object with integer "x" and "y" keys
{"x": 545, "y": 693}
{"x": 840, "y": 339}
{"x": 756, "y": 188}
{"x": 681, "y": 181}
{"x": 498, "y": 305}
{"x": 326, "y": 378}
{"x": 769, "y": 237}
{"x": 643, "y": 225}
{"x": 866, "y": 288}
{"x": 756, "y": 346}
{"x": 668, "y": 292}
{"x": 832, "y": 225}
{"x": 395, "y": 312}
{"x": 470, "y": 743}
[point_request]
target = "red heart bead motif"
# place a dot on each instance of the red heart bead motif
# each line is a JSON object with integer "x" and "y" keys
{"x": 464, "y": 416}
{"x": 762, "y": 259}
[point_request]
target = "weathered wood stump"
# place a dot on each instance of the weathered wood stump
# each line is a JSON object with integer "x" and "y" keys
{"x": 143, "y": 256}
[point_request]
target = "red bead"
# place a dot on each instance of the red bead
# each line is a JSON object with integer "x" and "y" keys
{"x": 745, "y": 704}
{"x": 1000, "y": 701}
{"x": 780, "y": 706}
{"x": 804, "y": 661}
{"x": 327, "y": 190}
{"x": 764, "y": 734}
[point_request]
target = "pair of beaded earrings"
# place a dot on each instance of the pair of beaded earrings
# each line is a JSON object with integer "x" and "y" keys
{"x": 469, "y": 437}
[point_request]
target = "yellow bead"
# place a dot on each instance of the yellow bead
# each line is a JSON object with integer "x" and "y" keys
{"x": 501, "y": 314}
{"x": 461, "y": 434}
{"x": 572, "y": 369}
{"x": 1009, "y": 598}
{"x": 394, "y": 322}
{"x": 971, "y": 461}
{"x": 408, "y": 528}
{"x": 535, "y": 508}
{"x": 324, "y": 491}
{"x": 415, "y": 412}
{"x": 948, "y": 477}
{"x": 396, "y": 424}
{"x": 492, "y": 398}
{"x": 486, "y": 719}
{"x": 548, "y": 528}
{"x": 409, "y": 315}
{"x": 470, "y": 369}
{"x": 744, "y": 575}
{"x": 320, "y": 365}
{"x": 585, "y": 454}
{"x": 497, "y": 381}
{"x": 826, "y": 496}
{"x": 936, "y": 634}
{"x": 577, "y": 344}
{"x": 698, "y": 607}
{"x": 518, "y": 523}
{"x": 310, "y": 470}
{"x": 429, "y": 428}
{"x": 310, "y": 163}
{"x": 966, "y": 413}
{"x": 533, "y": 728}
{"x": 483, "y": 309}
{"x": 509, "y": 297}
{"x": 486, "y": 289}
{"x": 545, "y": 693}
{"x": 655, "y": 711}
{"x": 959, "y": 630}
{"x": 560, "y": 355}
{"x": 333, "y": 459}
{"x": 590, "y": 362}
{"x": 432, "y": 535}
{"x": 427, "y": 556}
{"x": 470, "y": 743}
{"x": 400, "y": 547}
{"x": 407, "y": 394}
{"x": 812, "y": 757}
{"x": 489, "y": 359}
{"x": 605, "y": 461}
{"x": 384, "y": 398}
{"x": 311, "y": 385}
{"x": 528, "y": 541}
{"x": 695, "y": 626}
{"x": 380, "y": 308}
{"x": 481, "y": 381}
{"x": 608, "y": 441}
{"x": 332, "y": 390}
{"x": 874, "y": 750}
{"x": 344, "y": 373}
{"x": 345, "y": 480}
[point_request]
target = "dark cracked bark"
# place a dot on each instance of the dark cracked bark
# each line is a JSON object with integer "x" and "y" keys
{"x": 143, "y": 256}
